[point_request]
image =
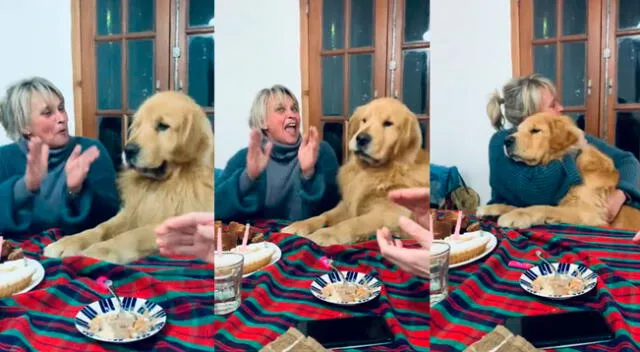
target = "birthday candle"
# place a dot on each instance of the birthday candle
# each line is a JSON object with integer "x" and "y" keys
{"x": 245, "y": 239}
{"x": 458, "y": 224}
{"x": 219, "y": 241}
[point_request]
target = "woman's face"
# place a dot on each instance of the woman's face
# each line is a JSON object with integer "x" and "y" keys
{"x": 283, "y": 120}
{"x": 49, "y": 121}
{"x": 549, "y": 103}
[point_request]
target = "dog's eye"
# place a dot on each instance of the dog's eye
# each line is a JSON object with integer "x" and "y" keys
{"x": 162, "y": 126}
{"x": 364, "y": 120}
{"x": 387, "y": 124}
{"x": 534, "y": 131}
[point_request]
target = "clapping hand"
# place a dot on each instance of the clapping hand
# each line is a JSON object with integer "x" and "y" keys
{"x": 308, "y": 152}
{"x": 37, "y": 163}
{"x": 257, "y": 159}
{"x": 77, "y": 167}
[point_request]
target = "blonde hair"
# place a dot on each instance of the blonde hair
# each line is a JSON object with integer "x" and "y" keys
{"x": 15, "y": 106}
{"x": 258, "y": 114}
{"x": 521, "y": 98}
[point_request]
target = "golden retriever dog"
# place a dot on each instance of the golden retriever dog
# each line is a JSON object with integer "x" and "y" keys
{"x": 385, "y": 154}
{"x": 169, "y": 157}
{"x": 542, "y": 138}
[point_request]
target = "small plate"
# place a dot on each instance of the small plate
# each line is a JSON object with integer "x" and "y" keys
{"x": 132, "y": 304}
{"x": 590, "y": 278}
{"x": 350, "y": 276}
{"x": 493, "y": 242}
{"x": 38, "y": 275}
{"x": 274, "y": 258}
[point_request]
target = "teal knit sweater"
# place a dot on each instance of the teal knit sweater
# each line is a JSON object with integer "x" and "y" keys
{"x": 280, "y": 192}
{"x": 23, "y": 212}
{"x": 515, "y": 183}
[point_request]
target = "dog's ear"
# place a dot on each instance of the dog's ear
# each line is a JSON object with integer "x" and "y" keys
{"x": 354, "y": 122}
{"x": 410, "y": 135}
{"x": 564, "y": 133}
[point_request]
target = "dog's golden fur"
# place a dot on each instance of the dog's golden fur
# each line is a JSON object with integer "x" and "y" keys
{"x": 542, "y": 138}
{"x": 171, "y": 130}
{"x": 393, "y": 159}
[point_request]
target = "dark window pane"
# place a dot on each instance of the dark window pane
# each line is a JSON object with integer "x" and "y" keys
{"x": 415, "y": 80}
{"x": 416, "y": 18}
{"x": 333, "y": 134}
{"x": 574, "y": 64}
{"x": 544, "y": 18}
{"x": 360, "y": 80}
{"x": 575, "y": 17}
{"x": 332, "y": 85}
{"x": 629, "y": 69}
{"x": 141, "y": 16}
{"x": 544, "y": 60}
{"x": 140, "y": 75}
{"x": 333, "y": 24}
{"x": 628, "y": 131}
{"x": 110, "y": 134}
{"x": 361, "y": 23}
{"x": 109, "y": 80}
{"x": 579, "y": 118}
{"x": 629, "y": 14}
{"x": 109, "y": 17}
{"x": 201, "y": 13}
{"x": 201, "y": 68}
{"x": 424, "y": 129}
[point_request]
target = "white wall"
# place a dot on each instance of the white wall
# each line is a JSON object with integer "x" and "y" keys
{"x": 257, "y": 45}
{"x": 36, "y": 41}
{"x": 471, "y": 56}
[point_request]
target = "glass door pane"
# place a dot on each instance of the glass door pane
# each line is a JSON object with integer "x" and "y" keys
{"x": 199, "y": 59}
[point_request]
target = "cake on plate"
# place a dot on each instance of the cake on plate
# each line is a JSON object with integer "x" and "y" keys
{"x": 445, "y": 222}
{"x": 232, "y": 235}
{"x": 15, "y": 276}
{"x": 467, "y": 246}
{"x": 256, "y": 256}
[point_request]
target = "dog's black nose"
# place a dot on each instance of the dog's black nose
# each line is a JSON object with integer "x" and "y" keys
{"x": 363, "y": 139}
{"x": 131, "y": 150}
{"x": 508, "y": 142}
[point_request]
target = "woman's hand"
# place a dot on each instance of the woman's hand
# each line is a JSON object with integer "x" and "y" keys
{"x": 614, "y": 204}
{"x": 308, "y": 152}
{"x": 257, "y": 159}
{"x": 416, "y": 200}
{"x": 190, "y": 235}
{"x": 77, "y": 167}
{"x": 37, "y": 164}
{"x": 413, "y": 261}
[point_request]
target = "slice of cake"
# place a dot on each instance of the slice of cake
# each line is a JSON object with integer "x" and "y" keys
{"x": 15, "y": 276}
{"x": 9, "y": 252}
{"x": 467, "y": 246}
{"x": 256, "y": 256}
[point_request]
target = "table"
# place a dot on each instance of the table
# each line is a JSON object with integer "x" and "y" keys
{"x": 43, "y": 319}
{"x": 278, "y": 296}
{"x": 486, "y": 292}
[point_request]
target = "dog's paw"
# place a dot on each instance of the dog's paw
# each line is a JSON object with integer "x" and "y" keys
{"x": 517, "y": 219}
{"x": 64, "y": 247}
{"x": 493, "y": 210}
{"x": 300, "y": 228}
{"x": 325, "y": 237}
{"x": 103, "y": 251}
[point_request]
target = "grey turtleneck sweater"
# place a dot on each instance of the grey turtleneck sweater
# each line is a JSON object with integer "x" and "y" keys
{"x": 280, "y": 192}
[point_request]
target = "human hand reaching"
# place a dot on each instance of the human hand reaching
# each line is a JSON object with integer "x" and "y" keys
{"x": 414, "y": 261}
{"x": 414, "y": 199}
{"x": 190, "y": 234}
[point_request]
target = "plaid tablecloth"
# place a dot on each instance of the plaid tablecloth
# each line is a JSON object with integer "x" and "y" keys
{"x": 485, "y": 293}
{"x": 277, "y": 297}
{"x": 43, "y": 319}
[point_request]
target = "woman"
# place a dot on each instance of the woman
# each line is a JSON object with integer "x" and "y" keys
{"x": 280, "y": 175}
{"x": 520, "y": 185}
{"x": 49, "y": 179}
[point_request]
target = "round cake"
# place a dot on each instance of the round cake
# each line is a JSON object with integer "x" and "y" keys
{"x": 256, "y": 256}
{"x": 467, "y": 246}
{"x": 15, "y": 276}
